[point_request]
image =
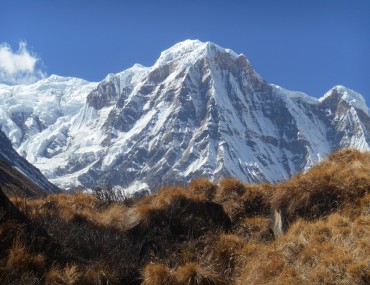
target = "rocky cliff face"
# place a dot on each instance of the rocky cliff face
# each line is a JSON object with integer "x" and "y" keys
{"x": 200, "y": 110}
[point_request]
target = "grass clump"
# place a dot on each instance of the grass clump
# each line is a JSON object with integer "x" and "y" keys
{"x": 341, "y": 180}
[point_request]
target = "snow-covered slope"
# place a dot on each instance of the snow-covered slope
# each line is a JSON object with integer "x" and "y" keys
{"x": 27, "y": 110}
{"x": 200, "y": 110}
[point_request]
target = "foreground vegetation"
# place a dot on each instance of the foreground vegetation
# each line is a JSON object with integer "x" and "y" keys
{"x": 203, "y": 234}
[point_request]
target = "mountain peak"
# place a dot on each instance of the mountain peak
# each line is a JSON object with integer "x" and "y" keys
{"x": 58, "y": 79}
{"x": 182, "y": 50}
{"x": 192, "y": 50}
{"x": 55, "y": 77}
{"x": 353, "y": 98}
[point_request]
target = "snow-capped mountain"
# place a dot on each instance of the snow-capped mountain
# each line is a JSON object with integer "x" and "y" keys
{"x": 200, "y": 110}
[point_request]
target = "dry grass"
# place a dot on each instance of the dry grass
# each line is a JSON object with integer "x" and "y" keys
{"x": 257, "y": 199}
{"x": 342, "y": 179}
{"x": 228, "y": 189}
{"x": 68, "y": 275}
{"x": 21, "y": 265}
{"x": 19, "y": 258}
{"x": 157, "y": 274}
{"x": 98, "y": 274}
{"x": 181, "y": 211}
{"x": 187, "y": 274}
{"x": 194, "y": 274}
{"x": 335, "y": 250}
{"x": 226, "y": 253}
{"x": 240, "y": 201}
{"x": 115, "y": 215}
{"x": 203, "y": 234}
{"x": 203, "y": 187}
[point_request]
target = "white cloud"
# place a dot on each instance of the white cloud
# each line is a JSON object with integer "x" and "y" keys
{"x": 19, "y": 67}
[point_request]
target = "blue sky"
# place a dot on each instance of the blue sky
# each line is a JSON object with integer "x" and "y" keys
{"x": 300, "y": 45}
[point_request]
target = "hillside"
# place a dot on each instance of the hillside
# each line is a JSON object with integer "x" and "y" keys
{"x": 14, "y": 183}
{"x": 204, "y": 234}
{"x": 18, "y": 177}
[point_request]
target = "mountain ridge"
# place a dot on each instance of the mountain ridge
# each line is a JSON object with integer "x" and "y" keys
{"x": 200, "y": 110}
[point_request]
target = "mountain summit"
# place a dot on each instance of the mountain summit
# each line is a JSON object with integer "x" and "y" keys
{"x": 200, "y": 110}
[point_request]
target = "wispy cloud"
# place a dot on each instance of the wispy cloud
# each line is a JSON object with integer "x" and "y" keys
{"x": 19, "y": 67}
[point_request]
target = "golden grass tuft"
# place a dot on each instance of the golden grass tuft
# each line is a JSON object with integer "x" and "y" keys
{"x": 114, "y": 216}
{"x": 203, "y": 187}
{"x": 157, "y": 274}
{"x": 178, "y": 209}
{"x": 69, "y": 275}
{"x": 257, "y": 229}
{"x": 98, "y": 274}
{"x": 240, "y": 201}
{"x": 365, "y": 205}
{"x": 187, "y": 274}
{"x": 226, "y": 253}
{"x": 228, "y": 245}
{"x": 20, "y": 259}
{"x": 228, "y": 189}
{"x": 66, "y": 205}
{"x": 332, "y": 184}
{"x": 348, "y": 155}
{"x": 256, "y": 199}
{"x": 193, "y": 274}
{"x": 166, "y": 195}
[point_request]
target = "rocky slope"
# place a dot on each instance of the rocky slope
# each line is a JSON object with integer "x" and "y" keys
{"x": 200, "y": 110}
{"x": 18, "y": 176}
